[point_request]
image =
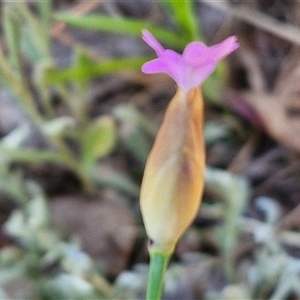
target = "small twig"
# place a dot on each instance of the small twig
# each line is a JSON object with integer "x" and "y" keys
{"x": 258, "y": 19}
{"x": 58, "y": 29}
{"x": 242, "y": 159}
{"x": 80, "y": 9}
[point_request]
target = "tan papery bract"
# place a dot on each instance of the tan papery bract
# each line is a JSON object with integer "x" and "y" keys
{"x": 173, "y": 180}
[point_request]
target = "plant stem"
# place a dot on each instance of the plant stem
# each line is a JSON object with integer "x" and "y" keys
{"x": 158, "y": 265}
{"x": 17, "y": 85}
{"x": 78, "y": 112}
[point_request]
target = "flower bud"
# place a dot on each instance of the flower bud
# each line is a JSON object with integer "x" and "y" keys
{"x": 173, "y": 180}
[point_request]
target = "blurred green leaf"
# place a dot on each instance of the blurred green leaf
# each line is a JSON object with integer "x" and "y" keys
{"x": 30, "y": 225}
{"x": 82, "y": 58}
{"x": 12, "y": 30}
{"x": 37, "y": 208}
{"x": 16, "y": 85}
{"x": 14, "y": 272}
{"x": 85, "y": 72}
{"x": 128, "y": 26}
{"x": 58, "y": 126}
{"x": 184, "y": 17}
{"x": 75, "y": 260}
{"x": 135, "y": 129}
{"x": 31, "y": 46}
{"x": 98, "y": 140}
{"x": 235, "y": 192}
{"x": 136, "y": 142}
{"x": 10, "y": 255}
{"x": 45, "y": 10}
{"x": 35, "y": 38}
{"x": 129, "y": 114}
{"x": 115, "y": 179}
{"x": 12, "y": 185}
{"x": 16, "y": 137}
{"x": 212, "y": 87}
{"x": 28, "y": 155}
{"x": 16, "y": 224}
{"x": 69, "y": 286}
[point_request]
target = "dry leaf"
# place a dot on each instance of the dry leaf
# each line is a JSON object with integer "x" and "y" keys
{"x": 106, "y": 228}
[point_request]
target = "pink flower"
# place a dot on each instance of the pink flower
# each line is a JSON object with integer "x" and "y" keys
{"x": 173, "y": 181}
{"x": 195, "y": 64}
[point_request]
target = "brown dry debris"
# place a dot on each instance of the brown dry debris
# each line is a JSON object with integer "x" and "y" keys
{"x": 105, "y": 225}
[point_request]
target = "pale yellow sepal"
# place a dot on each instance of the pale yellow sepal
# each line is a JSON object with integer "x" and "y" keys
{"x": 173, "y": 180}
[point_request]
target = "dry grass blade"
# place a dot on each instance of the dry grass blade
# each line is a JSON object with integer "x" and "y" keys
{"x": 80, "y": 9}
{"x": 260, "y": 20}
{"x": 58, "y": 29}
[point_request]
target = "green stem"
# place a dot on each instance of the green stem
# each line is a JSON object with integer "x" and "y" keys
{"x": 18, "y": 86}
{"x": 158, "y": 265}
{"x": 78, "y": 112}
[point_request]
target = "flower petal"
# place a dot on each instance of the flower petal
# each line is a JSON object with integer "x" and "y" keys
{"x": 154, "y": 66}
{"x": 191, "y": 68}
{"x": 152, "y": 42}
{"x": 196, "y": 53}
{"x": 200, "y": 74}
{"x": 221, "y": 50}
{"x": 168, "y": 62}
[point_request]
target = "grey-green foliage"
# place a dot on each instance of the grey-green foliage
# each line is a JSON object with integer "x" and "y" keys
{"x": 68, "y": 273}
{"x": 234, "y": 191}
